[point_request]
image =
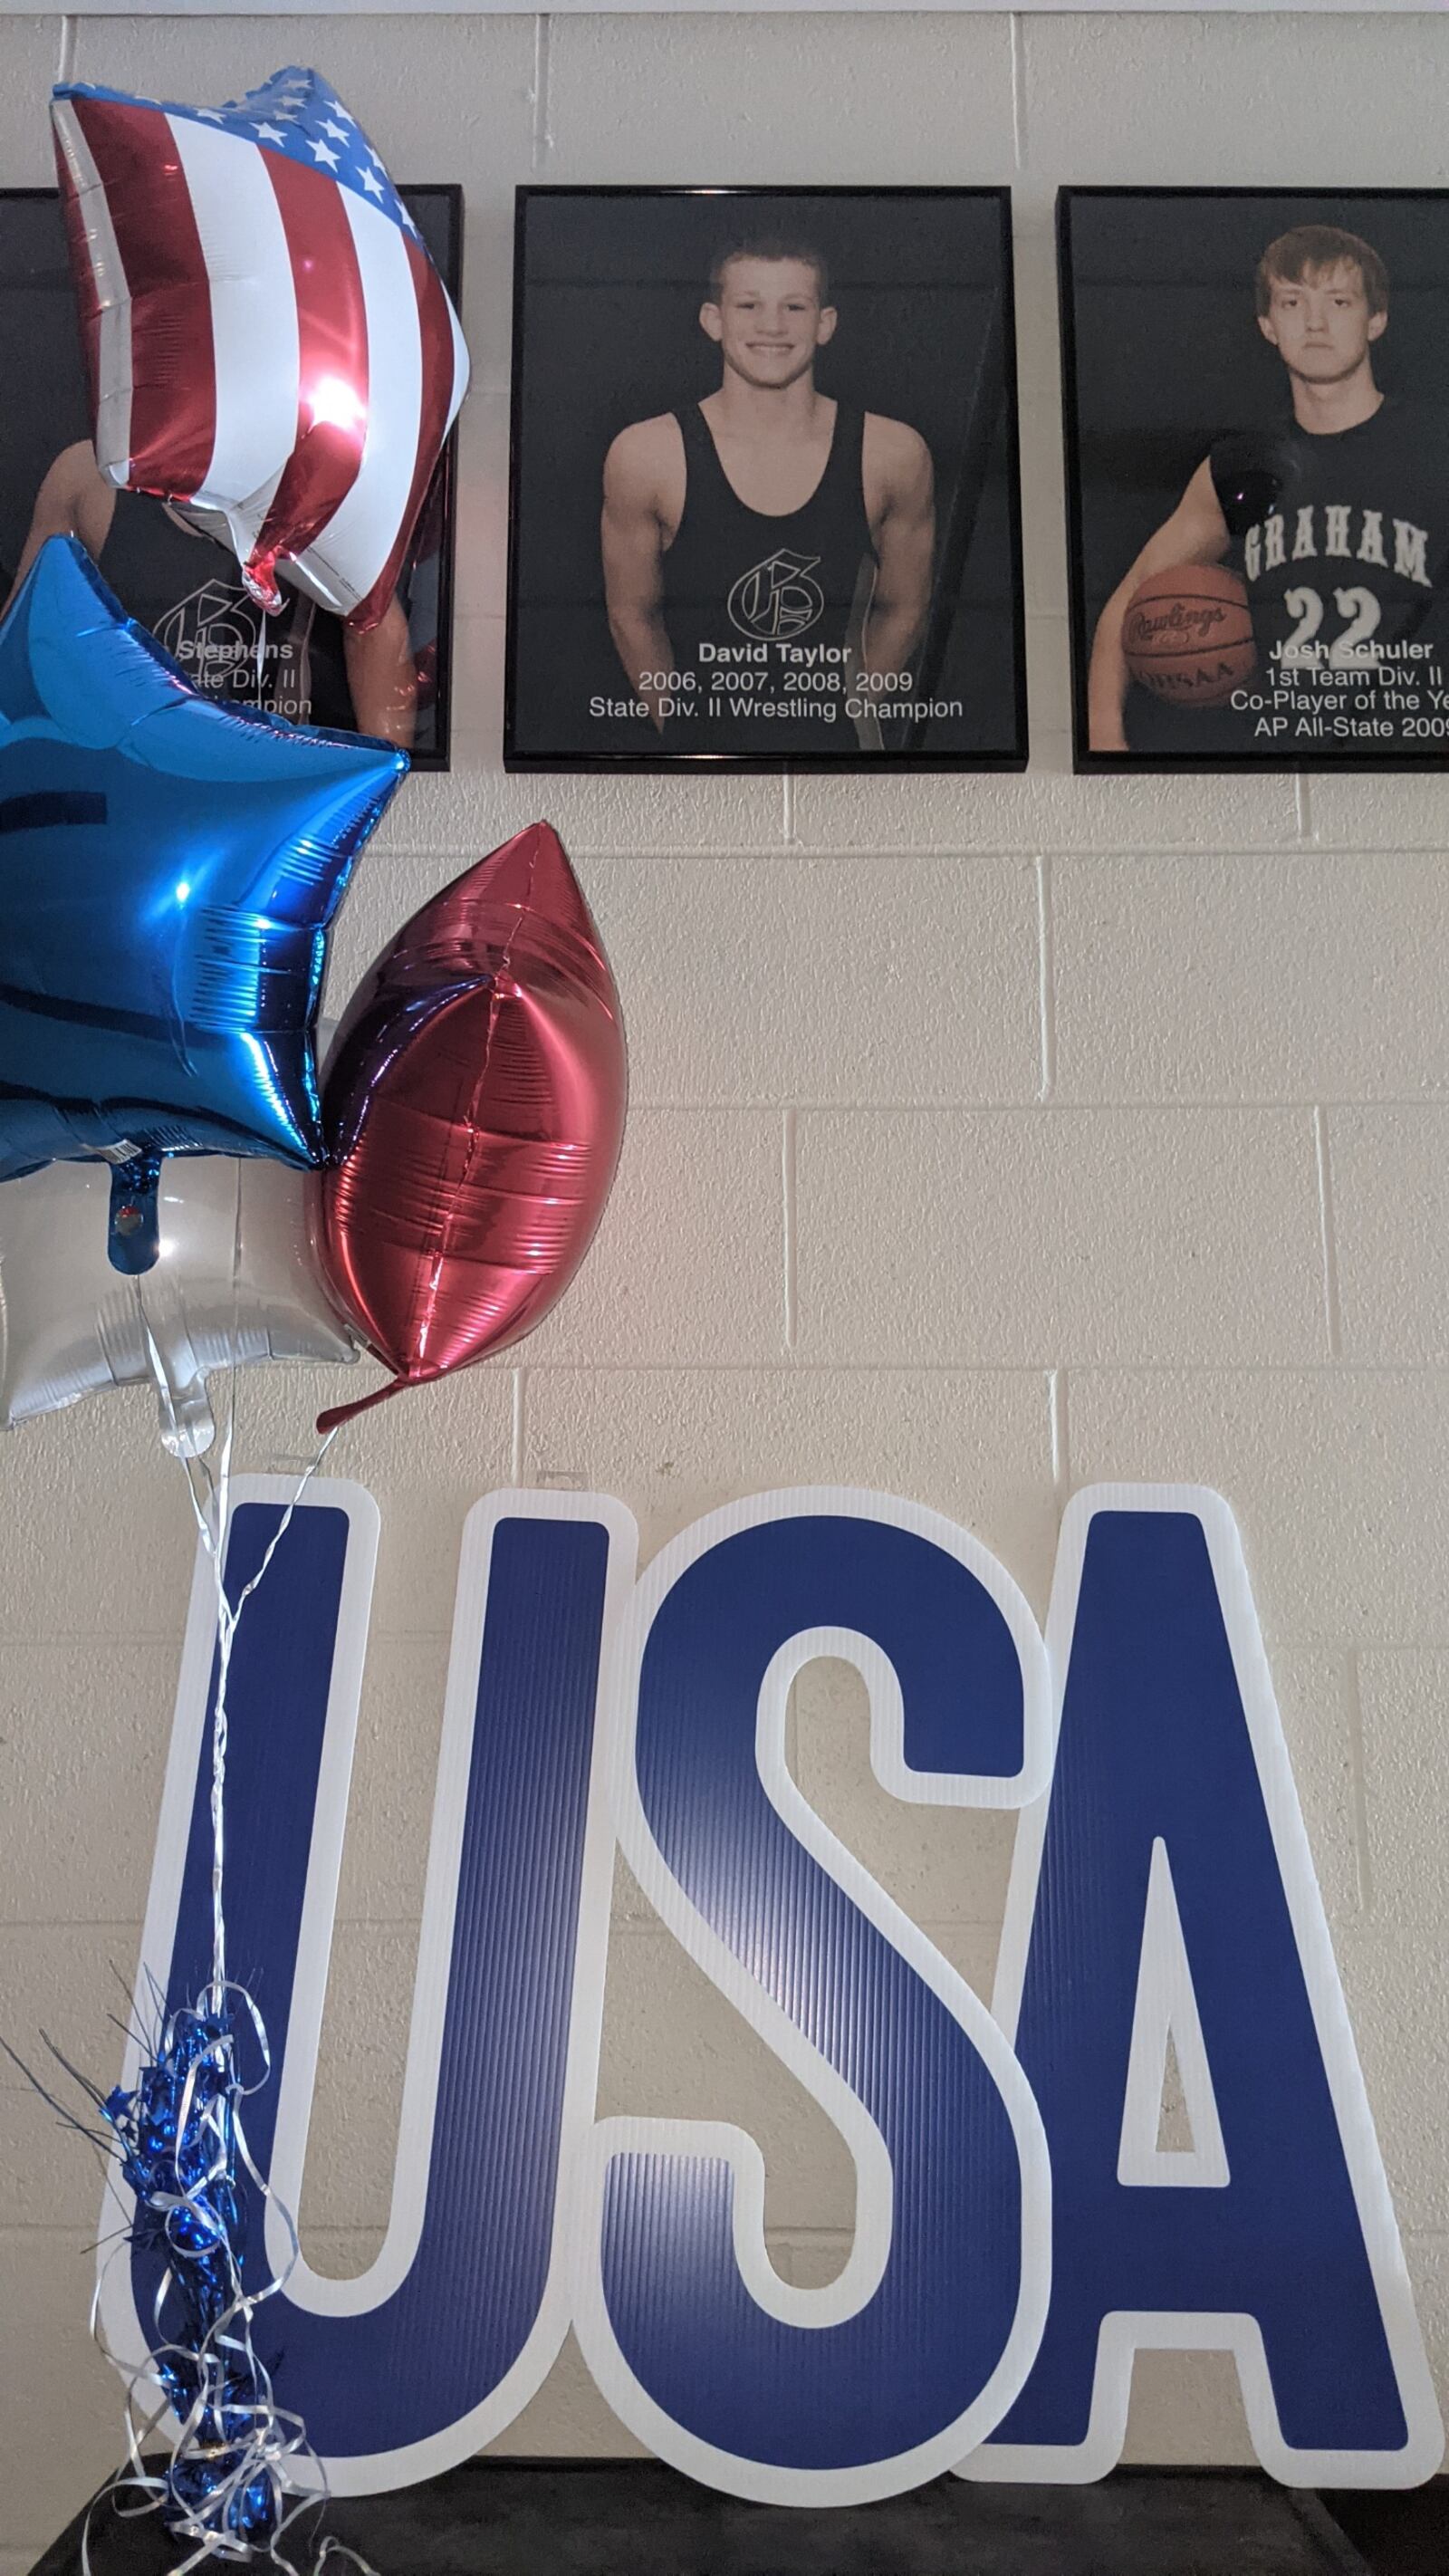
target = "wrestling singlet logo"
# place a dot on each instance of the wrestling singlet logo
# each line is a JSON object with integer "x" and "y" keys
{"x": 777, "y": 598}
{"x": 212, "y": 633}
{"x": 228, "y": 647}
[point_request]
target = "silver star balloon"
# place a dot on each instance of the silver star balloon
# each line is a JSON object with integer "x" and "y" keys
{"x": 234, "y": 1283}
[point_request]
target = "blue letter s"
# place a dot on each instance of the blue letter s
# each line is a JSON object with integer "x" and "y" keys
{"x": 863, "y": 2389}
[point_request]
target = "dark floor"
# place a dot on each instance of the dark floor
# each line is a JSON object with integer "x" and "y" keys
{"x": 509, "y": 2518}
{"x": 1399, "y": 2535}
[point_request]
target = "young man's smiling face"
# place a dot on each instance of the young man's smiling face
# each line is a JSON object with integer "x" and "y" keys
{"x": 768, "y": 319}
{"x": 1320, "y": 323}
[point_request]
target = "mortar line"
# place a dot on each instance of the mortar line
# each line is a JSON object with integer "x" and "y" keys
{"x": 787, "y": 1194}
{"x": 787, "y": 811}
{"x": 1303, "y": 808}
{"x": 65, "y": 59}
{"x": 1057, "y": 1411}
{"x": 516, "y": 1461}
{"x": 1018, "y": 90}
{"x": 963, "y": 1105}
{"x": 1362, "y": 1862}
{"x": 1030, "y": 1364}
{"x": 709, "y": 853}
{"x": 542, "y": 66}
{"x": 66, "y": 1923}
{"x": 1326, "y": 1232}
{"x": 1046, "y": 977}
{"x": 38, "y": 2227}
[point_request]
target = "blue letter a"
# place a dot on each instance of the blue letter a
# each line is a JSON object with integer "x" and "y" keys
{"x": 1167, "y": 1873}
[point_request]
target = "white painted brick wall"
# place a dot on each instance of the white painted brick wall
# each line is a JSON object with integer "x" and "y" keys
{"x": 989, "y": 1135}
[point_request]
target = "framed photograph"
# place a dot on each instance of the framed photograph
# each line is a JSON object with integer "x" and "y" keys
{"x": 764, "y": 508}
{"x": 182, "y": 585}
{"x": 1256, "y": 388}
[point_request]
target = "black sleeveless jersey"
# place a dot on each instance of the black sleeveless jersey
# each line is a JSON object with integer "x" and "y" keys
{"x": 738, "y": 577}
{"x": 1342, "y": 539}
{"x": 187, "y": 589}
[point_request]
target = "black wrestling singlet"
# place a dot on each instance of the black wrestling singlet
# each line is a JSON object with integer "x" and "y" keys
{"x": 757, "y": 605}
{"x": 187, "y": 589}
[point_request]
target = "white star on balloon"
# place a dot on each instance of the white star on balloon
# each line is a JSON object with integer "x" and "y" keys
{"x": 211, "y": 116}
{"x": 338, "y": 109}
{"x": 324, "y": 152}
{"x": 270, "y": 133}
{"x": 371, "y": 182}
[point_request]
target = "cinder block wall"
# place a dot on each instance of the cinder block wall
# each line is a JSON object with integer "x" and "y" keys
{"x": 988, "y": 1137}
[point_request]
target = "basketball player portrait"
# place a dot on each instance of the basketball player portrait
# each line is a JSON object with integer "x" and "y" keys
{"x": 1290, "y": 606}
{"x": 769, "y": 513}
{"x": 763, "y": 505}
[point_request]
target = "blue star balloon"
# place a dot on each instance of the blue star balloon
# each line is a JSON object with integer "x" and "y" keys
{"x": 169, "y": 866}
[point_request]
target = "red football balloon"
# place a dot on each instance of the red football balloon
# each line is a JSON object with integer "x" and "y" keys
{"x": 473, "y": 1103}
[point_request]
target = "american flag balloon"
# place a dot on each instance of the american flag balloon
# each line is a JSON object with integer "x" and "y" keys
{"x": 268, "y": 342}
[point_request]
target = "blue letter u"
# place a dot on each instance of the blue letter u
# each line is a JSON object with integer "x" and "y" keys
{"x": 406, "y": 2371}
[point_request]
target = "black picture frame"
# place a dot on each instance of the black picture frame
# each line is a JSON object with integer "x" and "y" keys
{"x": 1158, "y": 303}
{"x": 38, "y": 329}
{"x": 602, "y": 258}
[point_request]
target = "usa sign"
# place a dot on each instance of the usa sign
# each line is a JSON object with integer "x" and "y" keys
{"x": 1020, "y": 2230}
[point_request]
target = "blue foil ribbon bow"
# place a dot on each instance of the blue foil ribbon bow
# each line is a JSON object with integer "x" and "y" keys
{"x": 178, "y": 2137}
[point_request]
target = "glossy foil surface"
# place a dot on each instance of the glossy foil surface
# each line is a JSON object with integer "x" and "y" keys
{"x": 170, "y": 867}
{"x": 473, "y": 1106}
{"x": 267, "y": 339}
{"x": 234, "y": 1284}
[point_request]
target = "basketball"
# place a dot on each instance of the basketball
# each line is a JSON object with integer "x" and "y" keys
{"x": 1188, "y": 635}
